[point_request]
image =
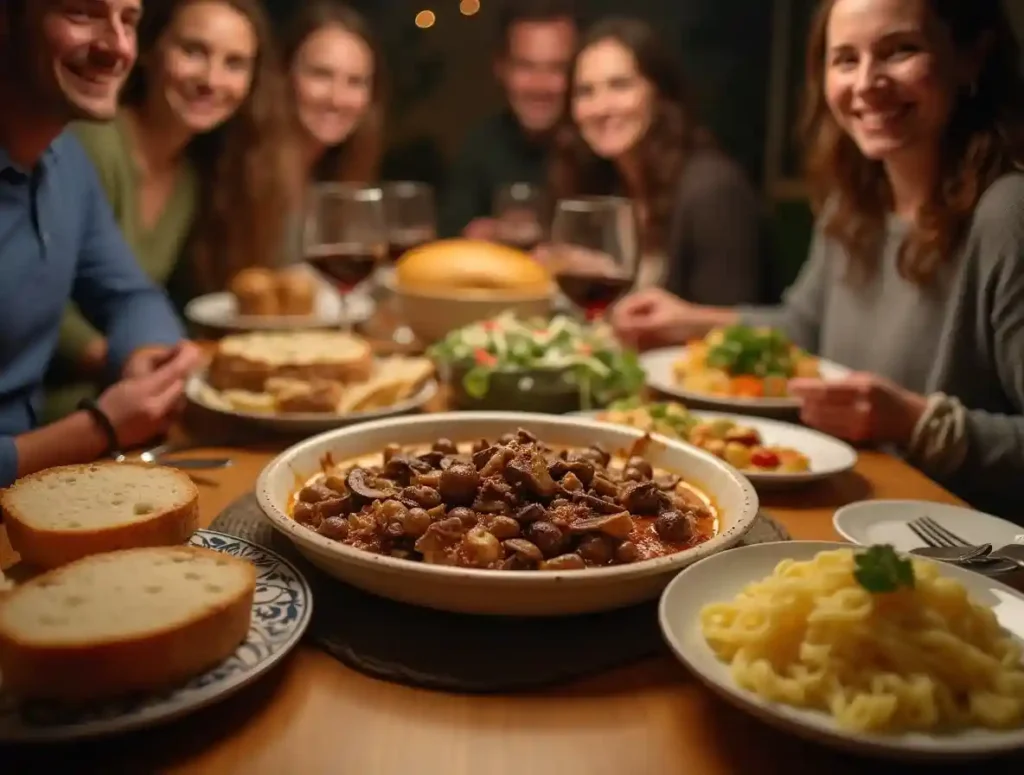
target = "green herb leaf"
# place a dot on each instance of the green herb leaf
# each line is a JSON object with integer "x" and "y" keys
{"x": 879, "y": 569}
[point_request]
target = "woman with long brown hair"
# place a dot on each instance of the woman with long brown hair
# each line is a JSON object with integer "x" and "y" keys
{"x": 630, "y": 129}
{"x": 194, "y": 165}
{"x": 914, "y": 132}
{"x": 334, "y": 71}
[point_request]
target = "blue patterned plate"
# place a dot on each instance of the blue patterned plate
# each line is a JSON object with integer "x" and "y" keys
{"x": 281, "y": 611}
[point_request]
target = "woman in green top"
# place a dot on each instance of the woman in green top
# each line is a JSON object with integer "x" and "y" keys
{"x": 915, "y": 144}
{"x": 194, "y": 165}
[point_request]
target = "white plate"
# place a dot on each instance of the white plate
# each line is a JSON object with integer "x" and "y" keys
{"x": 506, "y": 593}
{"x": 308, "y": 422}
{"x": 885, "y": 522}
{"x": 280, "y": 613}
{"x": 722, "y": 576}
{"x": 220, "y": 311}
{"x": 658, "y": 366}
{"x": 828, "y": 456}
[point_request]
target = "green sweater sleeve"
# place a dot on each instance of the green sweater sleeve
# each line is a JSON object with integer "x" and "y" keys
{"x": 102, "y": 143}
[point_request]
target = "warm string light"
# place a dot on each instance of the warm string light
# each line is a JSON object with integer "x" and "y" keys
{"x": 425, "y": 19}
{"x": 469, "y": 7}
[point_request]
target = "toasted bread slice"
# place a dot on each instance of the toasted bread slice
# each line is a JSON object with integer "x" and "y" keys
{"x": 62, "y": 514}
{"x": 247, "y": 361}
{"x": 121, "y": 622}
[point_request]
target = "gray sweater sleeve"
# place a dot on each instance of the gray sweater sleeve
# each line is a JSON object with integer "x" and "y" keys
{"x": 994, "y": 466}
{"x": 717, "y": 235}
{"x": 802, "y": 310}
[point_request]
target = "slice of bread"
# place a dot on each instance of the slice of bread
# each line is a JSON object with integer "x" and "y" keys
{"x": 62, "y": 514}
{"x": 121, "y": 622}
{"x": 247, "y": 361}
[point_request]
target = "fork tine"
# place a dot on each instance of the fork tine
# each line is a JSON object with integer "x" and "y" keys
{"x": 921, "y": 534}
{"x": 934, "y": 537}
{"x": 949, "y": 534}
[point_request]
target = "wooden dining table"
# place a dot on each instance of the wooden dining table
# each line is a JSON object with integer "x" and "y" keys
{"x": 312, "y": 715}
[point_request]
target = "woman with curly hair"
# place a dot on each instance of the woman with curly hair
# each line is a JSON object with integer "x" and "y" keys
{"x": 334, "y": 71}
{"x": 630, "y": 130}
{"x": 195, "y": 164}
{"x": 914, "y": 132}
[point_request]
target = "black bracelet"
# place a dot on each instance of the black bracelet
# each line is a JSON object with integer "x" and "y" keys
{"x": 113, "y": 445}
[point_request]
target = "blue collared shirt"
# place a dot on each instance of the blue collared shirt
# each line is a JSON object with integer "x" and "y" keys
{"x": 59, "y": 241}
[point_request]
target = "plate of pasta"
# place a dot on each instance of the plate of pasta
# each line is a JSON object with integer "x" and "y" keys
{"x": 861, "y": 648}
{"x": 738, "y": 367}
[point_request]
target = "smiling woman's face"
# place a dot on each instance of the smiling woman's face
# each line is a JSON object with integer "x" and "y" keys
{"x": 892, "y": 74}
{"x": 612, "y": 103}
{"x": 203, "y": 64}
{"x": 332, "y": 79}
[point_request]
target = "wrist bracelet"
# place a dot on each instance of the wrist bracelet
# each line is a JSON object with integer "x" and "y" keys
{"x": 97, "y": 414}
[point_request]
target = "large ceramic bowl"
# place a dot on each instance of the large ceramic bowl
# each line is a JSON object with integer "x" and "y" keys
{"x": 523, "y": 593}
{"x": 433, "y": 315}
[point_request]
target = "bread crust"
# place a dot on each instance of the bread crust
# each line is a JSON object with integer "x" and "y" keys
{"x": 450, "y": 266}
{"x": 45, "y": 548}
{"x": 247, "y": 371}
{"x": 158, "y": 659}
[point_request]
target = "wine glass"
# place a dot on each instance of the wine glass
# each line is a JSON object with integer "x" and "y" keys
{"x": 594, "y": 251}
{"x": 411, "y": 219}
{"x": 519, "y": 210}
{"x": 345, "y": 236}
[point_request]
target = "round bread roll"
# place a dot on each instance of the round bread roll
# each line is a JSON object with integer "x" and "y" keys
{"x": 255, "y": 290}
{"x": 296, "y": 292}
{"x": 450, "y": 266}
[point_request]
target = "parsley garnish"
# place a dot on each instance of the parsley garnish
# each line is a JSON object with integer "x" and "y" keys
{"x": 880, "y": 569}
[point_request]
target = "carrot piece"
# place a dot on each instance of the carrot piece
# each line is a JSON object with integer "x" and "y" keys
{"x": 747, "y": 386}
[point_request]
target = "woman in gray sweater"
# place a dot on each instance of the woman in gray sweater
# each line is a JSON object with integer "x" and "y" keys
{"x": 914, "y": 131}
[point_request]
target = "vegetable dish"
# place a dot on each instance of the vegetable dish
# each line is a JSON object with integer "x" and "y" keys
{"x": 739, "y": 445}
{"x": 743, "y": 362}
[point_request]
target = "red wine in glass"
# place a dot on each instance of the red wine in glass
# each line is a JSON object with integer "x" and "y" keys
{"x": 594, "y": 292}
{"x": 346, "y": 265}
{"x": 400, "y": 241}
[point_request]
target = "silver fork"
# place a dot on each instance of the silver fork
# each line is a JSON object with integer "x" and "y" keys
{"x": 942, "y": 539}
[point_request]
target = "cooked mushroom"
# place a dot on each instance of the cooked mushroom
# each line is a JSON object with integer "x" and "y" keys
{"x": 361, "y": 488}
{"x": 436, "y": 543}
{"x": 596, "y": 549}
{"x": 599, "y": 505}
{"x": 335, "y": 528}
{"x": 459, "y": 484}
{"x": 403, "y": 468}
{"x": 641, "y": 465}
{"x": 523, "y": 549}
{"x": 641, "y": 498}
{"x": 500, "y": 526}
{"x": 422, "y": 496}
{"x": 531, "y": 512}
{"x": 445, "y": 446}
{"x": 530, "y": 471}
{"x": 314, "y": 493}
{"x": 468, "y": 517}
{"x": 604, "y": 486}
{"x": 627, "y": 552}
{"x": 583, "y": 470}
{"x": 572, "y": 484}
{"x": 674, "y": 526}
{"x": 615, "y": 525}
{"x": 497, "y": 462}
{"x": 481, "y": 548}
{"x": 564, "y": 562}
{"x": 548, "y": 538}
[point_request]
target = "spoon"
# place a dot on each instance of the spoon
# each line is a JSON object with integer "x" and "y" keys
{"x": 955, "y": 554}
{"x": 189, "y": 464}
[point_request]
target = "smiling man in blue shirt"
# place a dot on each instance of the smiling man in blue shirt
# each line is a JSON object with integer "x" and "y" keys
{"x": 62, "y": 60}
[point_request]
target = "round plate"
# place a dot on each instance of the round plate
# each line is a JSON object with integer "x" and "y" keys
{"x": 494, "y": 592}
{"x": 885, "y": 522}
{"x": 308, "y": 422}
{"x": 828, "y": 456}
{"x": 281, "y": 611}
{"x": 658, "y": 366}
{"x": 722, "y": 576}
{"x": 219, "y": 311}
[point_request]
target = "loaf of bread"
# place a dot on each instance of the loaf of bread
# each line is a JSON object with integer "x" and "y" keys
{"x": 126, "y": 621}
{"x": 247, "y": 361}
{"x": 450, "y": 266}
{"x": 262, "y": 292}
{"x": 61, "y": 514}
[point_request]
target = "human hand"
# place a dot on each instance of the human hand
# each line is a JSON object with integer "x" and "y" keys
{"x": 93, "y": 360}
{"x": 142, "y": 407}
{"x": 481, "y": 228}
{"x": 654, "y": 317}
{"x": 860, "y": 408}
{"x": 185, "y": 355}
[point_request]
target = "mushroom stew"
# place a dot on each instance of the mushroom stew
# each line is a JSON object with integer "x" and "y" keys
{"x": 511, "y": 504}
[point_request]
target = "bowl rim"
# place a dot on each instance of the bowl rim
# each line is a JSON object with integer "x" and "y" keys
{"x": 470, "y": 294}
{"x": 322, "y": 546}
